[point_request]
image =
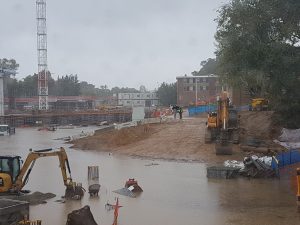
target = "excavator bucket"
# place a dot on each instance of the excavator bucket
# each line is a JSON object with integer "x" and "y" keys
{"x": 74, "y": 192}
{"x": 223, "y": 148}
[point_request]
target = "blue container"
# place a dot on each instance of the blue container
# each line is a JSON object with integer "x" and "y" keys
{"x": 201, "y": 109}
{"x": 286, "y": 158}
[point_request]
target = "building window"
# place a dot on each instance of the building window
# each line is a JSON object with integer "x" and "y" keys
{"x": 204, "y": 79}
{"x": 194, "y": 88}
{"x": 190, "y": 88}
{"x": 128, "y": 102}
{"x": 184, "y": 80}
{"x": 204, "y": 88}
{"x": 138, "y": 96}
{"x": 191, "y": 80}
{"x": 148, "y": 96}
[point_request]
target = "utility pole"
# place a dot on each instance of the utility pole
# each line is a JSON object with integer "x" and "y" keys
{"x": 42, "y": 54}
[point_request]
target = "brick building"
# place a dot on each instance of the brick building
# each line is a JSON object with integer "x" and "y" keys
{"x": 204, "y": 88}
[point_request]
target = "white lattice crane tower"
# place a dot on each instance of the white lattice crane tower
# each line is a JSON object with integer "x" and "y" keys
{"x": 42, "y": 54}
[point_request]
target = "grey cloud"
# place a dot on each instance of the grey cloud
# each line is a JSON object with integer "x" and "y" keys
{"x": 124, "y": 42}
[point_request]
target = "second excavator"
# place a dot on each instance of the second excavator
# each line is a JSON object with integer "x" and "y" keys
{"x": 14, "y": 176}
{"x": 222, "y": 126}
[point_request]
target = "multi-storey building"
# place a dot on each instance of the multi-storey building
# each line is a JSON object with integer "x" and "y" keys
{"x": 146, "y": 99}
{"x": 200, "y": 89}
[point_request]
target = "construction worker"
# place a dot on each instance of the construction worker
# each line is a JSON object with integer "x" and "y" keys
{"x": 180, "y": 112}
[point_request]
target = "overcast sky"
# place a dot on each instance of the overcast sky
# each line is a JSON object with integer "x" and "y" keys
{"x": 113, "y": 42}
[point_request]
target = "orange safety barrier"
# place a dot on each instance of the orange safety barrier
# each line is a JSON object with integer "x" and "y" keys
{"x": 298, "y": 189}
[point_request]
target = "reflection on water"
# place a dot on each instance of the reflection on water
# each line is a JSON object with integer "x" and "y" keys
{"x": 174, "y": 193}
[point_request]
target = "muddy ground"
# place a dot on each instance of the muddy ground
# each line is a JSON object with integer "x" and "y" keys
{"x": 176, "y": 139}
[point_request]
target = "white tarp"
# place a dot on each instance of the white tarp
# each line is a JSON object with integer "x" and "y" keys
{"x": 289, "y": 138}
{"x": 288, "y": 135}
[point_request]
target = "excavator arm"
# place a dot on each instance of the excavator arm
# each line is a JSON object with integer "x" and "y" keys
{"x": 25, "y": 171}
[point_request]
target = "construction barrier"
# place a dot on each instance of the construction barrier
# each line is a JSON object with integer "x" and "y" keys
{"x": 123, "y": 125}
{"x": 298, "y": 189}
{"x": 286, "y": 158}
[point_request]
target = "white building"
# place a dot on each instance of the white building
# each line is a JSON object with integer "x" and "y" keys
{"x": 146, "y": 99}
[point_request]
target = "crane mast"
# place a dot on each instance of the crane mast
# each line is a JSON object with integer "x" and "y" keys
{"x": 42, "y": 54}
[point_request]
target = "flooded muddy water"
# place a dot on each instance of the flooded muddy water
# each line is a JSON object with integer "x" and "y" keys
{"x": 174, "y": 192}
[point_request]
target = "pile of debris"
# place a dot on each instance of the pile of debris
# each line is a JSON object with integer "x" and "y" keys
{"x": 81, "y": 216}
{"x": 256, "y": 167}
{"x": 252, "y": 166}
{"x": 131, "y": 189}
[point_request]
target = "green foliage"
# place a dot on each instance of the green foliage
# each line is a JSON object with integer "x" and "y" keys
{"x": 258, "y": 47}
{"x": 167, "y": 94}
{"x": 68, "y": 86}
{"x": 209, "y": 66}
{"x": 9, "y": 64}
{"x": 116, "y": 90}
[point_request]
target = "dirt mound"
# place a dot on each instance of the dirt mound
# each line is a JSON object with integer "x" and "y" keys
{"x": 81, "y": 216}
{"x": 172, "y": 140}
{"x": 257, "y": 124}
{"x": 116, "y": 138}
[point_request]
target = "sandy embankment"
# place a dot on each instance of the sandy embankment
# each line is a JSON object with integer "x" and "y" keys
{"x": 176, "y": 139}
{"x": 173, "y": 140}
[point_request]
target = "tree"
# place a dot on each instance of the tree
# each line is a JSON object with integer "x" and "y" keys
{"x": 68, "y": 86}
{"x": 9, "y": 64}
{"x": 143, "y": 89}
{"x": 258, "y": 47}
{"x": 116, "y": 90}
{"x": 167, "y": 94}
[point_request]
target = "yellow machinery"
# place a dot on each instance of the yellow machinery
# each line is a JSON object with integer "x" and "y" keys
{"x": 259, "y": 104}
{"x": 13, "y": 177}
{"x": 222, "y": 126}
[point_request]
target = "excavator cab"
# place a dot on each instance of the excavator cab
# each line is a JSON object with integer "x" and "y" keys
{"x": 9, "y": 171}
{"x": 212, "y": 119}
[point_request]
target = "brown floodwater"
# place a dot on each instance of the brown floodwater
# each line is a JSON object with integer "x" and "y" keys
{"x": 175, "y": 193}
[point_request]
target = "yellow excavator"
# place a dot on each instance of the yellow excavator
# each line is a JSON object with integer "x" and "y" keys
{"x": 222, "y": 126}
{"x": 259, "y": 104}
{"x": 13, "y": 177}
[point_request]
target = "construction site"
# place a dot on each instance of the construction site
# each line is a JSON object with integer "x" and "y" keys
{"x": 209, "y": 149}
{"x": 160, "y": 155}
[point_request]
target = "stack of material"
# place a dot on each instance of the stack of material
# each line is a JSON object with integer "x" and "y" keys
{"x": 223, "y": 172}
{"x": 257, "y": 168}
{"x": 93, "y": 180}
